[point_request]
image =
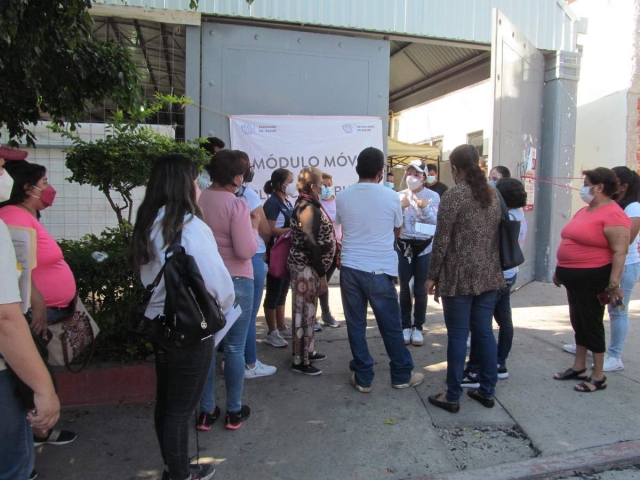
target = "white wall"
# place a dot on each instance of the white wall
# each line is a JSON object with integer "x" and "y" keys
{"x": 452, "y": 117}
{"x": 77, "y": 209}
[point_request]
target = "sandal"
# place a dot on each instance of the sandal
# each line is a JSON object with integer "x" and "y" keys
{"x": 571, "y": 374}
{"x": 584, "y": 386}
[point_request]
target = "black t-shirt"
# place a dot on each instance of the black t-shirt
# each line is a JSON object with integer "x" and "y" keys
{"x": 438, "y": 187}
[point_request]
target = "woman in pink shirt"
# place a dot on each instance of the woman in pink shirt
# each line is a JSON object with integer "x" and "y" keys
{"x": 591, "y": 260}
{"x": 235, "y": 231}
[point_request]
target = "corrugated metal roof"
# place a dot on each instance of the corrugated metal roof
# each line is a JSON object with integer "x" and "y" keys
{"x": 414, "y": 62}
{"x": 544, "y": 22}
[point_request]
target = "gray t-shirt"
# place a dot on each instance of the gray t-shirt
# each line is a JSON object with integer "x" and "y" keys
{"x": 9, "y": 292}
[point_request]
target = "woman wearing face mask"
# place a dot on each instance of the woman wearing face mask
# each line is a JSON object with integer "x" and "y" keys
{"x": 235, "y": 229}
{"x": 465, "y": 271}
{"x": 497, "y": 173}
{"x": 328, "y": 202}
{"x": 591, "y": 259}
{"x": 53, "y": 289}
{"x": 278, "y": 211}
{"x": 312, "y": 252}
{"x": 419, "y": 209}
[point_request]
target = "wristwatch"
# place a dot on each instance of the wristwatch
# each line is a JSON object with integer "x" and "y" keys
{"x": 613, "y": 286}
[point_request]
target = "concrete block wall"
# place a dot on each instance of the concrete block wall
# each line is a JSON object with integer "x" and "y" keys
{"x": 77, "y": 209}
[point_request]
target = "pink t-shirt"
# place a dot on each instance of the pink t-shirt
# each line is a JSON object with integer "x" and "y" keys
{"x": 229, "y": 219}
{"x": 584, "y": 244}
{"x": 52, "y": 276}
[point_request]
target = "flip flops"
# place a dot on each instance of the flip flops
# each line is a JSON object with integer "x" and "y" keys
{"x": 571, "y": 374}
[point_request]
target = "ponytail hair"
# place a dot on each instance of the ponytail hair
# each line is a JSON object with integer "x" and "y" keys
{"x": 465, "y": 158}
{"x": 278, "y": 177}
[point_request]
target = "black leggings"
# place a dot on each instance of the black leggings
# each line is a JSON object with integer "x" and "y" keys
{"x": 181, "y": 374}
{"x": 583, "y": 287}
{"x": 276, "y": 294}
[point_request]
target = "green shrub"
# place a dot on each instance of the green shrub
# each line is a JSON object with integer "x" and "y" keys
{"x": 109, "y": 289}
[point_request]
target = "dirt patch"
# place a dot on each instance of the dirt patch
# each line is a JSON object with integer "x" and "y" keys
{"x": 479, "y": 447}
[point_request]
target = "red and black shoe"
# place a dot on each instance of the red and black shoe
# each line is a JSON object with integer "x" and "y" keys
{"x": 206, "y": 420}
{"x": 234, "y": 420}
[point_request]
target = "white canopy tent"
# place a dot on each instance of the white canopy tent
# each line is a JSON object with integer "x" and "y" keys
{"x": 400, "y": 153}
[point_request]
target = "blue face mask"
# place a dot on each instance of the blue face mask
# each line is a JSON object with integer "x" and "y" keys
{"x": 327, "y": 192}
{"x": 390, "y": 185}
{"x": 493, "y": 183}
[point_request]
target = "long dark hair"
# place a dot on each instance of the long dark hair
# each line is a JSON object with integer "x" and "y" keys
{"x": 631, "y": 178}
{"x": 24, "y": 174}
{"x": 465, "y": 158}
{"x": 171, "y": 185}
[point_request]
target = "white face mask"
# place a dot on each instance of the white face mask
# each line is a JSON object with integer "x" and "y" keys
{"x": 585, "y": 194}
{"x": 431, "y": 179}
{"x": 414, "y": 182}
{"x": 291, "y": 190}
{"x": 6, "y": 185}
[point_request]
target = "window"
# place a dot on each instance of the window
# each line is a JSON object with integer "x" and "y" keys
{"x": 476, "y": 139}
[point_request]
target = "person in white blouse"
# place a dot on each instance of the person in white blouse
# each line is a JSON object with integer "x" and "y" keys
{"x": 419, "y": 213}
{"x": 170, "y": 205}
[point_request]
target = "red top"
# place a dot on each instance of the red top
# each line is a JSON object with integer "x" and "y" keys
{"x": 584, "y": 244}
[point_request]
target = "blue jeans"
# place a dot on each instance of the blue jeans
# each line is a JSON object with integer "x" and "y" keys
{"x": 234, "y": 342}
{"x": 250, "y": 352}
{"x": 502, "y": 314}
{"x": 16, "y": 439}
{"x": 620, "y": 319}
{"x": 358, "y": 288}
{"x": 460, "y": 314}
{"x": 418, "y": 269}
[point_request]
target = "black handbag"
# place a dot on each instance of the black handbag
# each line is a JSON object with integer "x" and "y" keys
{"x": 510, "y": 252}
{"x": 191, "y": 314}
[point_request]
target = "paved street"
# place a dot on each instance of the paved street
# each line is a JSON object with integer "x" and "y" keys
{"x": 322, "y": 428}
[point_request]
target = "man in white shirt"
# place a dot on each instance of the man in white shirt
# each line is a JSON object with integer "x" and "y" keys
{"x": 371, "y": 219}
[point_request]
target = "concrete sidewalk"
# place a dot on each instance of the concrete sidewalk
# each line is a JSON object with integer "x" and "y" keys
{"x": 322, "y": 428}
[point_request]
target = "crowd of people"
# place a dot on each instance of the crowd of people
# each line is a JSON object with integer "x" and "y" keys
{"x": 431, "y": 239}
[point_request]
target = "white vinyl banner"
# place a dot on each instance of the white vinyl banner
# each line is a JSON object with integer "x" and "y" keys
{"x": 331, "y": 144}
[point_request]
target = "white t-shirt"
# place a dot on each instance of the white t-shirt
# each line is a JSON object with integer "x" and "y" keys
{"x": 253, "y": 200}
{"x": 517, "y": 214}
{"x": 633, "y": 211}
{"x": 414, "y": 214}
{"x": 9, "y": 292}
{"x": 368, "y": 213}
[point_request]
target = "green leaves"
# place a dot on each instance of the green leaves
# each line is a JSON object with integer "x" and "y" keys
{"x": 52, "y": 68}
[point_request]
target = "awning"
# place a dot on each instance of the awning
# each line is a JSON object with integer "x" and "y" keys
{"x": 400, "y": 153}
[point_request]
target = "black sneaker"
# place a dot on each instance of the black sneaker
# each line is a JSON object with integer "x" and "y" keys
{"x": 234, "y": 420}
{"x": 317, "y": 357}
{"x": 470, "y": 381}
{"x": 33, "y": 475}
{"x": 204, "y": 471}
{"x": 206, "y": 420}
{"x": 55, "y": 437}
{"x": 306, "y": 369}
{"x": 502, "y": 372}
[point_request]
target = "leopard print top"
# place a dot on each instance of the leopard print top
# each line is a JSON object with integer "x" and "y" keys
{"x": 312, "y": 240}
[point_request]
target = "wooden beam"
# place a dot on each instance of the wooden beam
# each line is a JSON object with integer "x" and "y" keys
{"x": 145, "y": 54}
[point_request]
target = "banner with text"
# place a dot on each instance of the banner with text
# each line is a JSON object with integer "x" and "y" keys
{"x": 331, "y": 144}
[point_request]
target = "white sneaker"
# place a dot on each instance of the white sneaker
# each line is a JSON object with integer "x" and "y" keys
{"x": 469, "y": 341}
{"x": 571, "y": 348}
{"x": 612, "y": 364}
{"x": 406, "y": 333}
{"x": 259, "y": 370}
{"x": 416, "y": 337}
{"x": 286, "y": 333}
{"x": 275, "y": 340}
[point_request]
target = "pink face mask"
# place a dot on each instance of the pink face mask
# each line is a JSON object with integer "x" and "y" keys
{"x": 47, "y": 195}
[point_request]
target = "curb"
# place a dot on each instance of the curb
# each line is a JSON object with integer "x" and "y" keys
{"x": 588, "y": 460}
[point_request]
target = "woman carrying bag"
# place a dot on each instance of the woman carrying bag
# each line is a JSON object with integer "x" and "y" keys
{"x": 170, "y": 206}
